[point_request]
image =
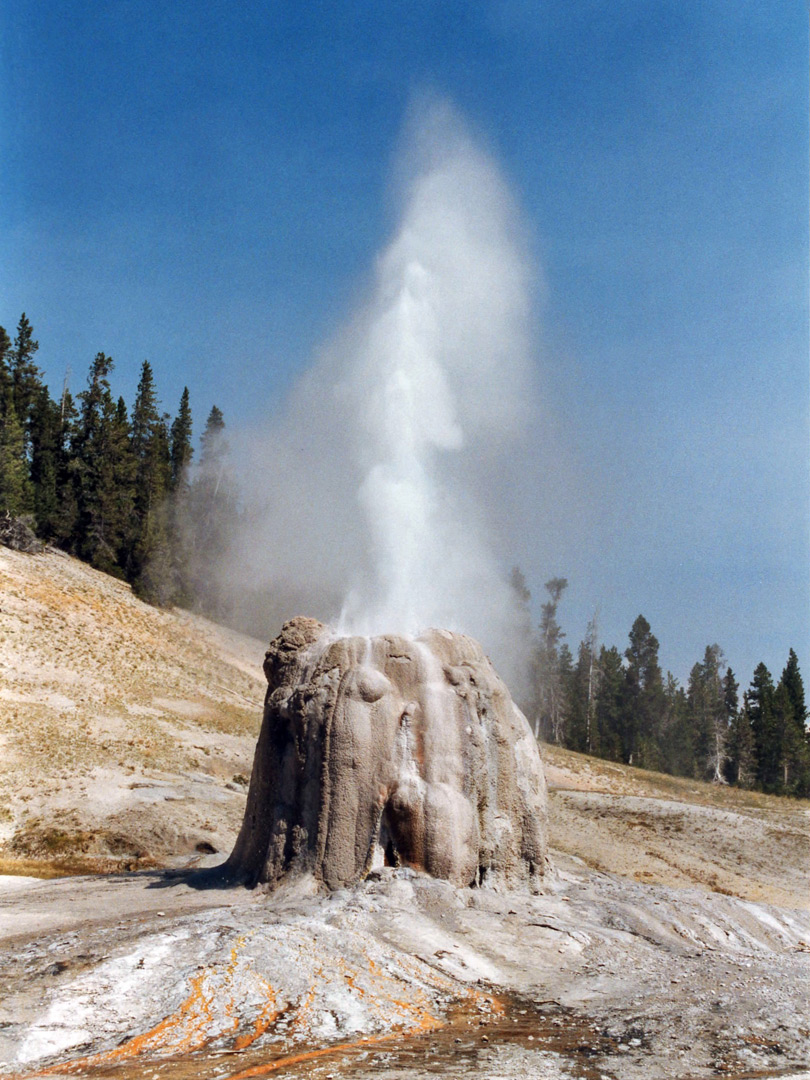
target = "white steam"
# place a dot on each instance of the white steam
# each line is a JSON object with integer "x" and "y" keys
{"x": 381, "y": 488}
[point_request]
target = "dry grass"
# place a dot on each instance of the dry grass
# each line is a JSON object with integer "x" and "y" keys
{"x": 123, "y": 729}
{"x": 98, "y": 688}
{"x": 674, "y": 831}
{"x": 610, "y": 776}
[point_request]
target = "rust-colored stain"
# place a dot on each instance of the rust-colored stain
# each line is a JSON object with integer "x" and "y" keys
{"x": 312, "y": 1055}
{"x": 211, "y": 1014}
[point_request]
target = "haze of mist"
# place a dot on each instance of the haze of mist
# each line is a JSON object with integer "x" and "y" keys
{"x": 378, "y": 502}
{"x": 203, "y": 186}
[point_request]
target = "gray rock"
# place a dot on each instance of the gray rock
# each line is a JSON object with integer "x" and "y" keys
{"x": 16, "y": 534}
{"x": 390, "y": 751}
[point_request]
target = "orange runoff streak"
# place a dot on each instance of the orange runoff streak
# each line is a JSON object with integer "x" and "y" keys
{"x": 310, "y": 1055}
{"x": 262, "y": 1023}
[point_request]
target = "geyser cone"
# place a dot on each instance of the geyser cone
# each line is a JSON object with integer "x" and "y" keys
{"x": 398, "y": 750}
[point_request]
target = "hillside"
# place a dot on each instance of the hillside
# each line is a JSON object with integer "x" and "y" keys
{"x": 126, "y": 732}
{"x": 127, "y": 736}
{"x": 668, "y": 939}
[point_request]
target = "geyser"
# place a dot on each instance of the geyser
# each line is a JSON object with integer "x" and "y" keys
{"x": 380, "y": 500}
{"x": 396, "y": 750}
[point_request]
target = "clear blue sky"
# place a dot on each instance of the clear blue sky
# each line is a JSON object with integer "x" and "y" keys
{"x": 205, "y": 185}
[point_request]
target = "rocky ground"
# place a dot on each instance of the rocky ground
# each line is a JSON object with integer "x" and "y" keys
{"x": 672, "y": 940}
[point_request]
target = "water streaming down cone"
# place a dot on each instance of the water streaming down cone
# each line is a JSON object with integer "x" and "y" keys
{"x": 393, "y": 749}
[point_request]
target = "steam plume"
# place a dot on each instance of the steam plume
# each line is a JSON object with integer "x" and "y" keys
{"x": 381, "y": 485}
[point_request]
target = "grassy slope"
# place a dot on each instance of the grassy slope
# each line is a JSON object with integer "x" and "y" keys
{"x": 670, "y": 830}
{"x": 127, "y": 733}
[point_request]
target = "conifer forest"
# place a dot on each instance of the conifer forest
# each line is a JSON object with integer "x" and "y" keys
{"x": 120, "y": 487}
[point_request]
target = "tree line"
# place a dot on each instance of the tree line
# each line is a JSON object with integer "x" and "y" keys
{"x": 117, "y": 487}
{"x": 109, "y": 484}
{"x": 622, "y": 707}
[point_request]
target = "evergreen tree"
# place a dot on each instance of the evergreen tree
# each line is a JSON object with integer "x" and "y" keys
{"x": 103, "y": 473}
{"x": 206, "y": 525}
{"x": 731, "y": 706}
{"x": 677, "y": 746}
{"x": 591, "y": 645}
{"x": 581, "y": 695}
{"x": 731, "y": 699}
{"x": 576, "y": 694}
{"x": 549, "y": 692}
{"x": 181, "y": 450}
{"x": 708, "y": 714}
{"x": 565, "y": 678}
{"x": 643, "y": 711}
{"x": 15, "y": 487}
{"x": 767, "y": 738}
{"x": 792, "y": 678}
{"x": 609, "y": 704}
{"x": 741, "y": 749}
{"x": 212, "y": 445}
{"x": 524, "y": 642}
{"x": 47, "y": 449}
{"x": 26, "y": 378}
{"x": 791, "y": 718}
{"x": 67, "y": 508}
{"x": 5, "y": 371}
{"x": 149, "y": 448}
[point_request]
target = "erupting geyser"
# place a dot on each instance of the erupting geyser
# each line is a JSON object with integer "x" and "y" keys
{"x": 382, "y": 487}
{"x": 390, "y": 750}
{"x": 384, "y": 497}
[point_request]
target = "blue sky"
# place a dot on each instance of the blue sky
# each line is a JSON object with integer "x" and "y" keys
{"x": 206, "y": 185}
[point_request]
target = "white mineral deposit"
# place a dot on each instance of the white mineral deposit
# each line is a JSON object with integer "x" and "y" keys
{"x": 392, "y": 751}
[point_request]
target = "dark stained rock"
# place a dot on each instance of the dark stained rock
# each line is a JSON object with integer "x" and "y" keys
{"x": 15, "y": 534}
{"x": 406, "y": 751}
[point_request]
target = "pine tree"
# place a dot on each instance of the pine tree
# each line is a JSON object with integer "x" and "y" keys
{"x": 741, "y": 748}
{"x": 103, "y": 473}
{"x": 708, "y": 715}
{"x": 767, "y": 739}
{"x": 792, "y": 678}
{"x": 731, "y": 705}
{"x": 46, "y": 429}
{"x": 581, "y": 695}
{"x": 565, "y": 677}
{"x": 149, "y": 448}
{"x": 677, "y": 737}
{"x": 210, "y": 512}
{"x": 15, "y": 486}
{"x": 67, "y": 509}
{"x": 609, "y": 704}
{"x": 549, "y": 692}
{"x": 181, "y": 450}
{"x": 5, "y": 371}
{"x": 212, "y": 445}
{"x": 791, "y": 717}
{"x": 525, "y": 643}
{"x": 26, "y": 378}
{"x": 576, "y": 693}
{"x": 731, "y": 701}
{"x": 643, "y": 699}
{"x": 784, "y": 729}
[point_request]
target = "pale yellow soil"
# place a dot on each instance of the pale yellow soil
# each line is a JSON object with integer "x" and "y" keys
{"x": 127, "y": 736}
{"x": 126, "y": 732}
{"x": 671, "y": 831}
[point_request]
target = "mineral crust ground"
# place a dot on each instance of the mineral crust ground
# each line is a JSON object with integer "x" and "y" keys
{"x": 403, "y": 975}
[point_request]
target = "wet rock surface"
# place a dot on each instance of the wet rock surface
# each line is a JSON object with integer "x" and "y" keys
{"x": 401, "y": 975}
{"x": 391, "y": 750}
